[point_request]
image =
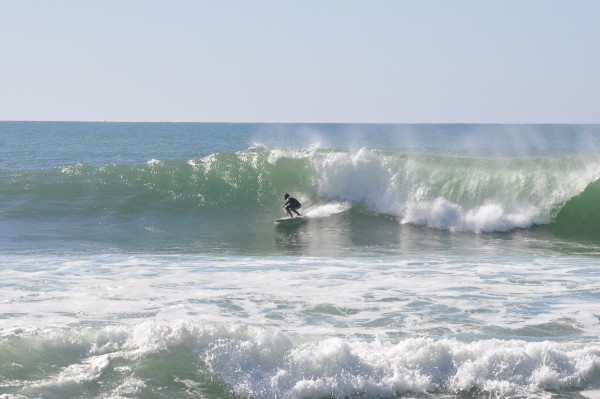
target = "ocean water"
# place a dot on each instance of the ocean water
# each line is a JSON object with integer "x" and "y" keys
{"x": 141, "y": 260}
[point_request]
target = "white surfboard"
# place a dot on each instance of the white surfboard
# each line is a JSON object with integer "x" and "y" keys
{"x": 294, "y": 220}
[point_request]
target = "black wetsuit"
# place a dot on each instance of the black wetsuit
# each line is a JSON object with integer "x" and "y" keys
{"x": 292, "y": 204}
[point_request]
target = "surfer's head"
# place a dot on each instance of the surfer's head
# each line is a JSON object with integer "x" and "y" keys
{"x": 285, "y": 196}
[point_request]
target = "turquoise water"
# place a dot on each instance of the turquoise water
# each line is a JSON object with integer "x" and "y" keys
{"x": 142, "y": 260}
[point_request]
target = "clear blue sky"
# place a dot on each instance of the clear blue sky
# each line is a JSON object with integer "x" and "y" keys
{"x": 509, "y": 61}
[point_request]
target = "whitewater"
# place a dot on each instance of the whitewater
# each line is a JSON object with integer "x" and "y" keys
{"x": 141, "y": 260}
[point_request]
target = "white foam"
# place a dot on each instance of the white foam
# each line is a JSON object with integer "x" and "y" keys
{"x": 361, "y": 176}
{"x": 256, "y": 361}
{"x": 306, "y": 294}
{"x": 443, "y": 214}
{"x": 293, "y": 327}
{"x": 493, "y": 217}
{"x": 131, "y": 387}
{"x": 326, "y": 210}
{"x": 268, "y": 362}
{"x": 89, "y": 370}
{"x": 73, "y": 170}
{"x": 452, "y": 193}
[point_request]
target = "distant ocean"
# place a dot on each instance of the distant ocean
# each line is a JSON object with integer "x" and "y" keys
{"x": 141, "y": 260}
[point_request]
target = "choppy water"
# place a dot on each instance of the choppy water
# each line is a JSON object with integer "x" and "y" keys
{"x": 142, "y": 260}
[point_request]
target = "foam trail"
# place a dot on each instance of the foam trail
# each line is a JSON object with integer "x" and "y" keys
{"x": 326, "y": 210}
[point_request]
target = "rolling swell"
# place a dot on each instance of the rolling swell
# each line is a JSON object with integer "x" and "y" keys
{"x": 217, "y": 181}
{"x": 444, "y": 192}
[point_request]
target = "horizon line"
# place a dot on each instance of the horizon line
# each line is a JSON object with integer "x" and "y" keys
{"x": 295, "y": 123}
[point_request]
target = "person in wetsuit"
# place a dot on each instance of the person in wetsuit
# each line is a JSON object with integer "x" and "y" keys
{"x": 291, "y": 205}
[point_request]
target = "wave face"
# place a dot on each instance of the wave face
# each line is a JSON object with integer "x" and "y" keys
{"x": 442, "y": 192}
{"x": 579, "y": 217}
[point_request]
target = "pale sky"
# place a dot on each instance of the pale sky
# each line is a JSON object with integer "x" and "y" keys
{"x": 378, "y": 61}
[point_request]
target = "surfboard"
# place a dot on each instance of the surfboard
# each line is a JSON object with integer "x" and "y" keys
{"x": 297, "y": 219}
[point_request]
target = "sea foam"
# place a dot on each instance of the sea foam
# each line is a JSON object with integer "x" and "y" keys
{"x": 262, "y": 362}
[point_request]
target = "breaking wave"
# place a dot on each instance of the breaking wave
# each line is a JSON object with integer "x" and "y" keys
{"x": 191, "y": 359}
{"x": 443, "y": 192}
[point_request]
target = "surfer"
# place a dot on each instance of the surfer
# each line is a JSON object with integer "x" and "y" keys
{"x": 291, "y": 205}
